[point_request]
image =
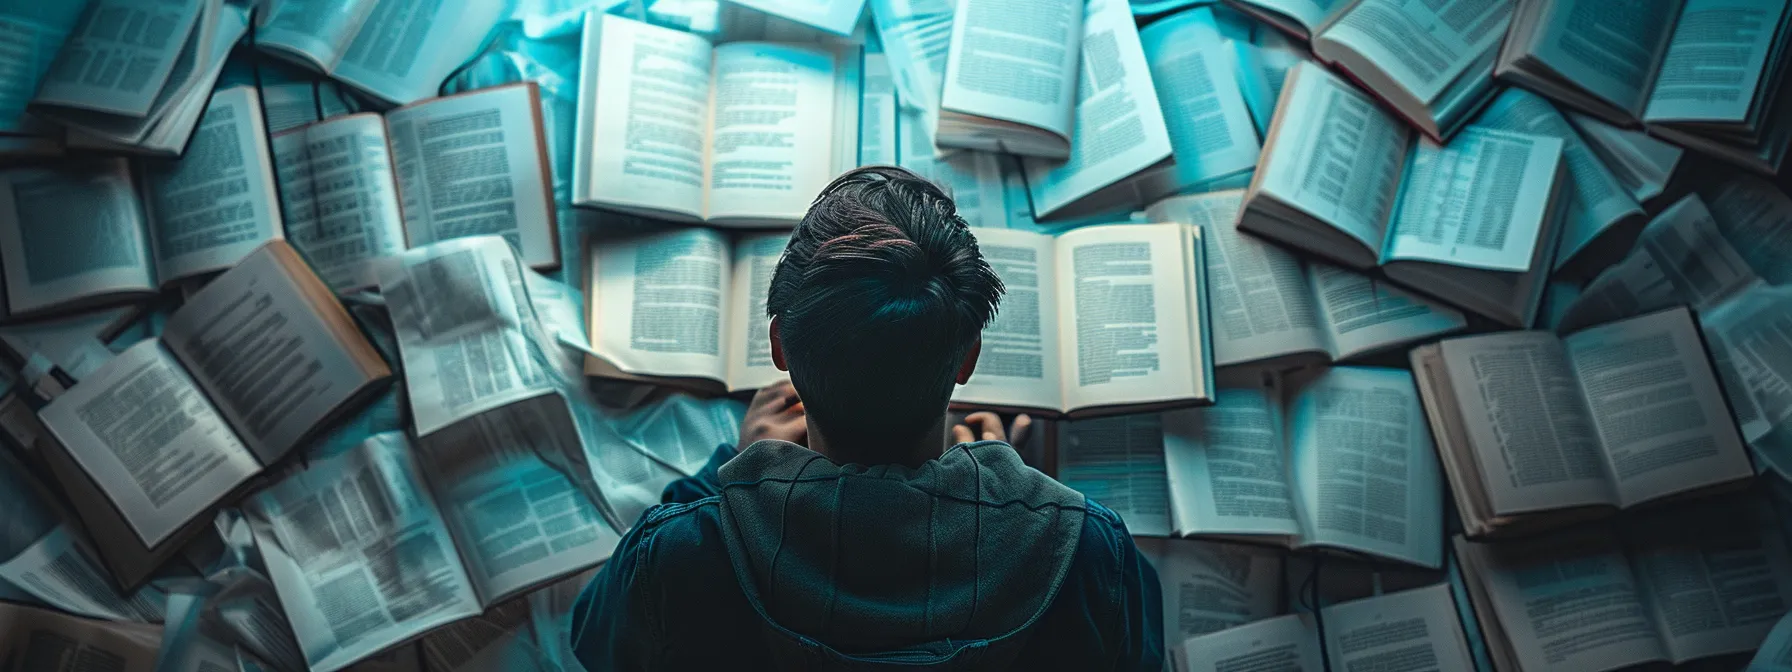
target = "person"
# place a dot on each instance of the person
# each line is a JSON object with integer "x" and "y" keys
{"x": 846, "y": 535}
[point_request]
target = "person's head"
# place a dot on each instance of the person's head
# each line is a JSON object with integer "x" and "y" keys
{"x": 877, "y": 307}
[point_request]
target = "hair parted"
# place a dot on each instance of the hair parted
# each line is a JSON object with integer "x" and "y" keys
{"x": 879, "y": 295}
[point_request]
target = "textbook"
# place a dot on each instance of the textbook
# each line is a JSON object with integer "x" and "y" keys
{"x": 251, "y": 367}
{"x": 1012, "y": 71}
{"x": 1603, "y": 217}
{"x": 1099, "y": 320}
{"x": 420, "y": 537}
{"x": 76, "y": 234}
{"x": 1473, "y": 222}
{"x": 684, "y": 307}
{"x": 1206, "y": 86}
{"x": 359, "y": 189}
{"x": 1268, "y": 304}
{"x": 1431, "y": 62}
{"x": 1537, "y": 431}
{"x": 743, "y": 134}
{"x": 1119, "y": 133}
{"x": 398, "y": 51}
{"x": 1333, "y": 459}
{"x": 1417, "y": 627}
{"x": 1687, "y": 584}
{"x": 133, "y": 77}
{"x": 1706, "y": 74}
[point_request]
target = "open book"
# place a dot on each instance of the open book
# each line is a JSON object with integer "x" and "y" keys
{"x": 1338, "y": 459}
{"x": 1011, "y": 77}
{"x": 1119, "y": 133}
{"x": 396, "y": 50}
{"x": 683, "y": 306}
{"x": 1432, "y": 62}
{"x": 76, "y": 234}
{"x": 1473, "y": 222}
{"x": 1414, "y": 629}
{"x": 1701, "y": 582}
{"x": 359, "y": 189}
{"x": 1681, "y": 258}
{"x": 1536, "y": 431}
{"x": 741, "y": 134}
{"x": 1100, "y": 320}
{"x": 1206, "y": 88}
{"x": 1654, "y": 63}
{"x": 418, "y": 538}
{"x": 1603, "y": 217}
{"x": 133, "y": 77}
{"x": 1268, "y": 304}
{"x": 1209, "y": 586}
{"x": 252, "y": 366}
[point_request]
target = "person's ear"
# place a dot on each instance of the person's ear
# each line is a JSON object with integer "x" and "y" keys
{"x": 777, "y": 348}
{"x": 969, "y": 364}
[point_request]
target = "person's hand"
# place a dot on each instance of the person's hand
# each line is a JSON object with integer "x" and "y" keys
{"x": 776, "y": 413}
{"x": 986, "y": 426}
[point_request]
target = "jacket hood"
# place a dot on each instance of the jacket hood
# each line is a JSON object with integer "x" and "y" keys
{"x": 891, "y": 564}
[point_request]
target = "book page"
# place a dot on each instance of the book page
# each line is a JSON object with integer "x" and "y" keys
{"x": 1715, "y": 61}
{"x": 1209, "y": 586}
{"x": 1528, "y": 426}
{"x": 1020, "y": 363}
{"x": 1362, "y": 314}
{"x": 916, "y": 37}
{"x": 274, "y": 350}
{"x": 1211, "y": 130}
{"x": 770, "y": 145}
{"x": 878, "y": 109}
{"x": 294, "y": 104}
{"x": 643, "y": 116}
{"x": 146, "y": 434}
{"x": 1659, "y": 410}
{"x": 1119, "y": 126}
{"x": 750, "y": 343}
{"x": 1566, "y": 602}
{"x": 30, "y": 636}
{"x": 475, "y": 164}
{"x": 515, "y": 490}
{"x": 659, "y": 303}
{"x": 1262, "y": 303}
{"x": 405, "y": 48}
{"x": 1715, "y": 581}
{"x": 1756, "y": 217}
{"x": 470, "y": 355}
{"x": 120, "y": 56}
{"x": 71, "y": 233}
{"x": 319, "y": 30}
{"x": 57, "y": 570}
{"x": 217, "y": 203}
{"x": 1228, "y": 464}
{"x": 1124, "y": 288}
{"x": 1680, "y": 258}
{"x": 1751, "y": 336}
{"x": 1119, "y": 462}
{"x": 1287, "y": 643}
{"x": 359, "y": 554}
{"x": 30, "y": 36}
{"x": 1409, "y": 630}
{"x": 1342, "y": 162}
{"x": 1478, "y": 202}
{"x": 1611, "y": 49}
{"x": 1424, "y": 47}
{"x": 1365, "y": 474}
{"x": 340, "y": 204}
{"x": 1016, "y": 61}
{"x": 1597, "y": 200}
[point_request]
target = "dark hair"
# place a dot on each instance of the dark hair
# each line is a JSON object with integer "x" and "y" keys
{"x": 879, "y": 296}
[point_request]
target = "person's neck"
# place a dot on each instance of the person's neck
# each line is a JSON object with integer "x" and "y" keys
{"x": 929, "y": 445}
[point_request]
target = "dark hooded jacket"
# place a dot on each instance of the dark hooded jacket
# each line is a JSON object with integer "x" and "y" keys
{"x": 781, "y": 559}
